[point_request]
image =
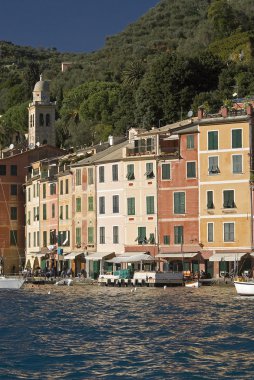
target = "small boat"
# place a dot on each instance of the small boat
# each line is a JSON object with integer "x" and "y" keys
{"x": 11, "y": 282}
{"x": 192, "y": 284}
{"x": 65, "y": 281}
{"x": 244, "y": 288}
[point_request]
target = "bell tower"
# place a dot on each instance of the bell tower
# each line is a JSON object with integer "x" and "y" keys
{"x": 41, "y": 113}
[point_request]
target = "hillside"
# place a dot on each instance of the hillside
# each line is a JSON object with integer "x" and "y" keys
{"x": 178, "y": 55}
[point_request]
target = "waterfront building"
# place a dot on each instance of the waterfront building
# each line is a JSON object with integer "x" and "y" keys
{"x": 226, "y": 207}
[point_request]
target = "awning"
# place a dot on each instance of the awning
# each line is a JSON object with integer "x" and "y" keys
{"x": 36, "y": 254}
{"x": 178, "y": 255}
{"x": 100, "y": 255}
{"x": 72, "y": 255}
{"x": 227, "y": 256}
{"x": 138, "y": 257}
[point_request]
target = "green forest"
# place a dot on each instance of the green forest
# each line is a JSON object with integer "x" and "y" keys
{"x": 181, "y": 54}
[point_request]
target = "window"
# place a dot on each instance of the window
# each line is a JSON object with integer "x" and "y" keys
{"x": 41, "y": 119}
{"x": 29, "y": 194}
{"x": 13, "y": 237}
{"x": 78, "y": 177}
{"x": 236, "y": 138}
{"x": 35, "y": 239}
{"x": 213, "y": 166}
{"x": 14, "y": 170}
{"x": 61, "y": 187}
{"x": 152, "y": 238}
{"x": 52, "y": 188}
{"x": 34, "y": 190}
{"x": 14, "y": 190}
{"x": 102, "y": 205}
{"x": 131, "y": 206}
{"x": 38, "y": 238}
{"x": 90, "y": 203}
{"x": 78, "y": 236}
{"x": 142, "y": 235}
{"x": 14, "y": 213}
{"x": 44, "y": 238}
{"x": 178, "y": 234}
{"x": 190, "y": 142}
{"x": 179, "y": 203}
{"x": 29, "y": 240}
{"x": 44, "y": 191}
{"x": 29, "y": 218}
{"x": 63, "y": 238}
{"x": 44, "y": 211}
{"x": 101, "y": 174}
{"x": 2, "y": 169}
{"x": 61, "y": 212}
{"x": 191, "y": 169}
{"x": 213, "y": 140}
{"x": 166, "y": 239}
{"x": 209, "y": 195}
{"x": 47, "y": 120}
{"x": 228, "y": 199}
{"x": 66, "y": 186}
{"x": 229, "y": 232}
{"x": 53, "y": 210}
{"x": 237, "y": 161}
{"x": 150, "y": 205}
{"x": 66, "y": 212}
{"x": 165, "y": 171}
{"x": 114, "y": 172}
{"x": 210, "y": 232}
{"x": 102, "y": 235}
{"x": 130, "y": 172}
{"x": 115, "y": 204}
{"x": 149, "y": 170}
{"x": 78, "y": 204}
{"x": 36, "y": 213}
{"x": 90, "y": 176}
{"x": 52, "y": 237}
{"x": 90, "y": 233}
{"x": 115, "y": 234}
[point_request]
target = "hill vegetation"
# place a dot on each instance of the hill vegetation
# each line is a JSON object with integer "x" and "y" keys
{"x": 179, "y": 55}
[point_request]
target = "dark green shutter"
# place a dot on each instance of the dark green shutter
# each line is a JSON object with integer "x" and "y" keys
{"x": 236, "y": 138}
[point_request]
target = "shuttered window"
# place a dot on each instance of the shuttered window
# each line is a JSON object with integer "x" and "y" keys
{"x": 115, "y": 200}
{"x": 190, "y": 142}
{"x": 236, "y": 138}
{"x": 44, "y": 211}
{"x": 228, "y": 199}
{"x": 209, "y": 232}
{"x": 78, "y": 204}
{"x": 130, "y": 172}
{"x": 131, "y": 206}
{"x": 90, "y": 203}
{"x": 142, "y": 235}
{"x": 165, "y": 171}
{"x": 115, "y": 234}
{"x": 102, "y": 205}
{"x": 78, "y": 177}
{"x": 78, "y": 236}
{"x": 101, "y": 174}
{"x": 114, "y": 172}
{"x": 210, "y": 203}
{"x": 178, "y": 234}
{"x": 191, "y": 169}
{"x": 213, "y": 166}
{"x": 179, "y": 203}
{"x": 90, "y": 176}
{"x": 90, "y": 232}
{"x": 150, "y": 205}
{"x": 166, "y": 239}
{"x": 229, "y": 232}
{"x": 102, "y": 235}
{"x": 237, "y": 163}
{"x": 213, "y": 140}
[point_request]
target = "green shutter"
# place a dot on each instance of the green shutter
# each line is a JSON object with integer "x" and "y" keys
{"x": 210, "y": 199}
{"x": 90, "y": 203}
{"x": 150, "y": 205}
{"x": 190, "y": 142}
{"x": 78, "y": 235}
{"x": 165, "y": 171}
{"x": 141, "y": 234}
{"x": 179, "y": 203}
{"x": 236, "y": 138}
{"x": 90, "y": 235}
{"x": 212, "y": 140}
{"x": 178, "y": 234}
{"x": 191, "y": 169}
{"x": 131, "y": 206}
{"x": 78, "y": 204}
{"x": 228, "y": 199}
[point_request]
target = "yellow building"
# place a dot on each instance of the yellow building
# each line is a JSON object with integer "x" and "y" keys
{"x": 225, "y": 204}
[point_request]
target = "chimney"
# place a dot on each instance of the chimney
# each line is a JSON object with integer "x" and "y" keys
{"x": 111, "y": 140}
{"x": 200, "y": 113}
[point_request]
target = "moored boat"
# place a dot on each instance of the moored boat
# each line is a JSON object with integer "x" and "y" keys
{"x": 192, "y": 284}
{"x": 11, "y": 282}
{"x": 244, "y": 288}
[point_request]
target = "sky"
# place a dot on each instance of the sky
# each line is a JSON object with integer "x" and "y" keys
{"x": 68, "y": 25}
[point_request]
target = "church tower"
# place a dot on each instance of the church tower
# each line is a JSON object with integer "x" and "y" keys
{"x": 41, "y": 116}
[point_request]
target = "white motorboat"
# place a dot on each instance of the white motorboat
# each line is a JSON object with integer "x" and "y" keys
{"x": 192, "y": 284}
{"x": 11, "y": 282}
{"x": 244, "y": 288}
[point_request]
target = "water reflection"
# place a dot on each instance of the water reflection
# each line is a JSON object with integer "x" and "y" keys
{"x": 113, "y": 333}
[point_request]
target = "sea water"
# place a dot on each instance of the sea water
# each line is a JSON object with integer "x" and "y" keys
{"x": 92, "y": 332}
